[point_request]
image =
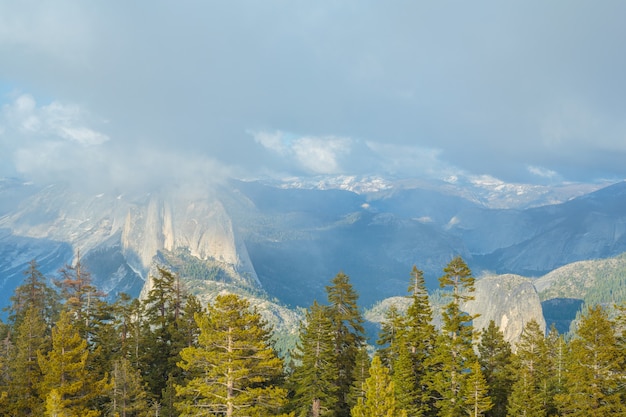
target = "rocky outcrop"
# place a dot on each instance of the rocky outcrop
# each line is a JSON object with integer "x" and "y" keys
{"x": 511, "y": 301}
{"x": 134, "y": 228}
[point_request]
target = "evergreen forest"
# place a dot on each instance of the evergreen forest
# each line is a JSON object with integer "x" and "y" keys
{"x": 67, "y": 351}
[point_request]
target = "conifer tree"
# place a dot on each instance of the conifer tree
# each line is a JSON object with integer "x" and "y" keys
{"x": 231, "y": 369}
{"x": 158, "y": 351}
{"x": 379, "y": 398}
{"x": 531, "y": 393}
{"x": 408, "y": 390}
{"x": 594, "y": 369}
{"x": 80, "y": 296}
{"x": 24, "y": 369}
{"x": 393, "y": 324}
{"x": 6, "y": 352}
{"x": 556, "y": 353}
{"x": 453, "y": 353}
{"x": 127, "y": 396}
{"x": 348, "y": 336}
{"x": 495, "y": 357}
{"x": 313, "y": 379}
{"x": 477, "y": 400}
{"x": 361, "y": 373}
{"x": 523, "y": 400}
{"x": 66, "y": 374}
{"x": 416, "y": 341}
{"x": 34, "y": 293}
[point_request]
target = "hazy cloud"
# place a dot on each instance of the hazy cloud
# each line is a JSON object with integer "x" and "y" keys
{"x": 408, "y": 87}
{"x": 542, "y": 172}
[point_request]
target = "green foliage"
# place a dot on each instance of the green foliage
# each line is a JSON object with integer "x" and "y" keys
{"x": 495, "y": 358}
{"x": 453, "y": 353}
{"x": 348, "y": 336}
{"x": 477, "y": 400}
{"x": 167, "y": 355}
{"x": 379, "y": 399}
{"x": 231, "y": 370}
{"x": 67, "y": 383}
{"x": 313, "y": 379}
{"x": 25, "y": 373}
{"x": 127, "y": 396}
{"x": 34, "y": 293}
{"x": 594, "y": 369}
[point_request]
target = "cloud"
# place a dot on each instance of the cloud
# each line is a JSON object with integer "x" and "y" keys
{"x": 314, "y": 154}
{"x": 56, "y": 142}
{"x": 543, "y": 172}
{"x": 411, "y": 89}
{"x": 55, "y": 121}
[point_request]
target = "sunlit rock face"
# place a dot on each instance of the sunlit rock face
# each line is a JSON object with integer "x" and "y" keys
{"x": 119, "y": 235}
{"x": 511, "y": 301}
{"x": 167, "y": 223}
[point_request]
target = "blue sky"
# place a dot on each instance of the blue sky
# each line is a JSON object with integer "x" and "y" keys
{"x": 136, "y": 92}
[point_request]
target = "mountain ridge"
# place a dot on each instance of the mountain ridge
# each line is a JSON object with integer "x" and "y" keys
{"x": 287, "y": 242}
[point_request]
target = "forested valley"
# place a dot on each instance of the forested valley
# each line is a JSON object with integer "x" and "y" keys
{"x": 67, "y": 351}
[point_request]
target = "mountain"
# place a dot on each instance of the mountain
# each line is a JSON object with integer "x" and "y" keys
{"x": 282, "y": 242}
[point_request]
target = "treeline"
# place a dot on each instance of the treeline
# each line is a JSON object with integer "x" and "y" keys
{"x": 66, "y": 351}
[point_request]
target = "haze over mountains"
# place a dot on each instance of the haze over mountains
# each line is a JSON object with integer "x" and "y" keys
{"x": 286, "y": 240}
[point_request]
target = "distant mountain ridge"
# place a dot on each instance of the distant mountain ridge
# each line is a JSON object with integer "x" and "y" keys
{"x": 284, "y": 242}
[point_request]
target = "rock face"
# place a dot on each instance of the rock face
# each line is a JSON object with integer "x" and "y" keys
{"x": 510, "y": 301}
{"x": 118, "y": 236}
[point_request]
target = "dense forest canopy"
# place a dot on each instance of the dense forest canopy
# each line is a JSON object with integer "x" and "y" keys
{"x": 67, "y": 351}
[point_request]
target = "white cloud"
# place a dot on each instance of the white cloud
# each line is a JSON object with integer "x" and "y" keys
{"x": 542, "y": 172}
{"x": 270, "y": 140}
{"x": 315, "y": 154}
{"x": 321, "y": 154}
{"x": 55, "y": 121}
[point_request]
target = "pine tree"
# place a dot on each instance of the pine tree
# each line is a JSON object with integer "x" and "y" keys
{"x": 379, "y": 398}
{"x": 80, "y": 296}
{"x": 6, "y": 353}
{"x": 553, "y": 383}
{"x": 416, "y": 340}
{"x": 594, "y": 369}
{"x": 24, "y": 369}
{"x": 533, "y": 369}
{"x": 231, "y": 369}
{"x": 477, "y": 401}
{"x": 348, "y": 336}
{"x": 393, "y": 324}
{"x": 127, "y": 395}
{"x": 158, "y": 350}
{"x": 313, "y": 380}
{"x": 34, "y": 293}
{"x": 66, "y": 374}
{"x": 523, "y": 400}
{"x": 495, "y": 357}
{"x": 361, "y": 373}
{"x": 453, "y": 353}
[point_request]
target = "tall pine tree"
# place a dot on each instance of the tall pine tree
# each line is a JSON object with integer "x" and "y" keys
{"x": 531, "y": 369}
{"x": 231, "y": 371}
{"x": 348, "y": 336}
{"x": 25, "y": 374}
{"x": 495, "y": 359}
{"x": 313, "y": 379}
{"x": 379, "y": 400}
{"x": 453, "y": 354}
{"x": 416, "y": 340}
{"x": 594, "y": 376}
{"x": 67, "y": 382}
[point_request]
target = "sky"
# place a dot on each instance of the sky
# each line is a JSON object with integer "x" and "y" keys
{"x": 115, "y": 92}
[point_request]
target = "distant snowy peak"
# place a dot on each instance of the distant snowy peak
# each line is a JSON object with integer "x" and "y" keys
{"x": 356, "y": 184}
{"x": 484, "y": 190}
